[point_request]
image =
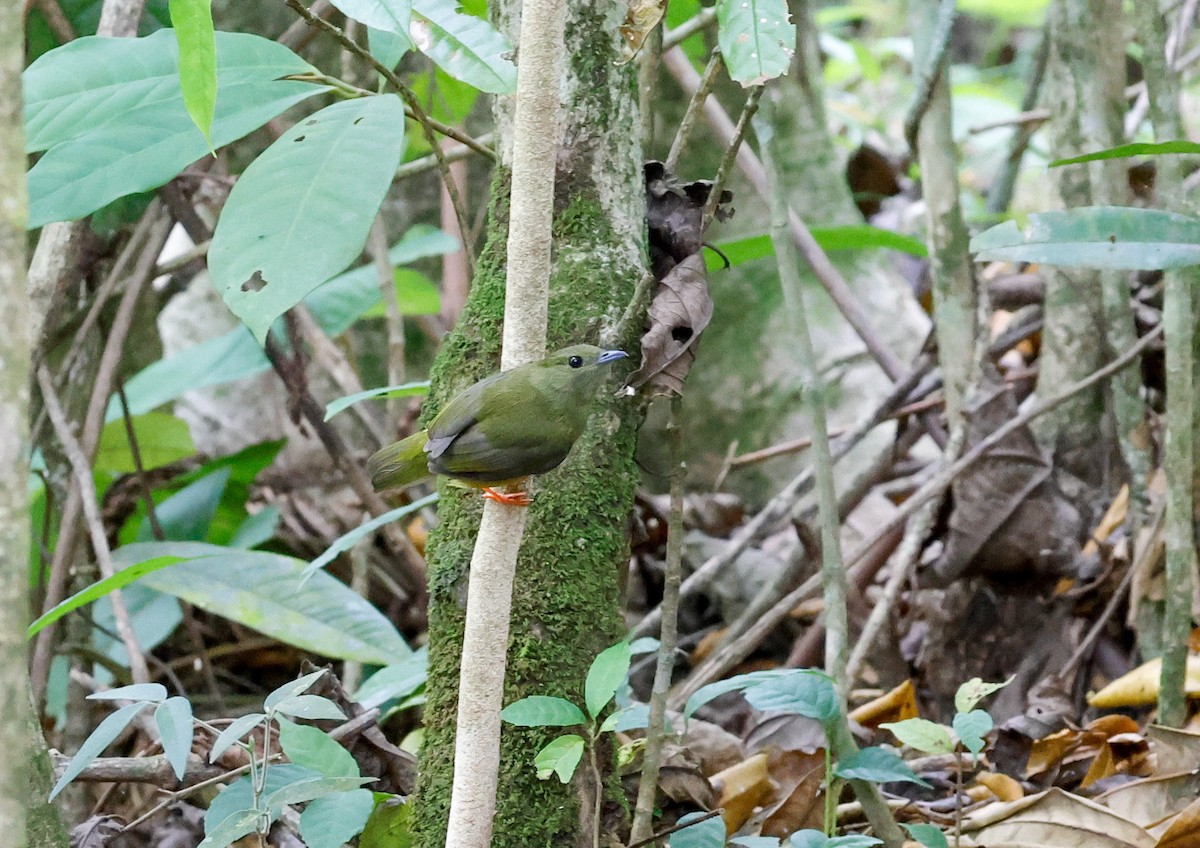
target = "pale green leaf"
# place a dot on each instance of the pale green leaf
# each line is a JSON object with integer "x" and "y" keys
{"x": 95, "y": 744}
{"x": 606, "y": 673}
{"x": 757, "y": 39}
{"x": 174, "y": 720}
{"x": 280, "y": 237}
{"x": 924, "y": 735}
{"x": 334, "y": 820}
{"x": 161, "y": 439}
{"x": 349, "y": 540}
{"x": 561, "y": 756}
{"x": 193, "y": 23}
{"x": 464, "y": 46}
{"x": 403, "y": 390}
{"x": 543, "y": 711}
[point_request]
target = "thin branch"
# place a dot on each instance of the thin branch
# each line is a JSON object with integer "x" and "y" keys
{"x": 694, "y": 108}
{"x": 82, "y": 470}
{"x": 736, "y": 651}
{"x": 731, "y": 152}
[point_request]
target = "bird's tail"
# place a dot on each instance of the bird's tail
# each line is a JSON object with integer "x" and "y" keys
{"x": 399, "y": 463}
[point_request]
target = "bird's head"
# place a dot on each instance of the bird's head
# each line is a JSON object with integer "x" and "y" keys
{"x": 578, "y": 369}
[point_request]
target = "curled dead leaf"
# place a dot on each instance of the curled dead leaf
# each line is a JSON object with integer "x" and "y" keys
{"x": 679, "y": 312}
{"x": 641, "y": 17}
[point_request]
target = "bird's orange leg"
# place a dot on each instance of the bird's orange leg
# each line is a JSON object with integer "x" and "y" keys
{"x": 507, "y": 498}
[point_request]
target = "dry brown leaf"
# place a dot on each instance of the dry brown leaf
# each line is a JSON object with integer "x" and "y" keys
{"x": 679, "y": 312}
{"x": 741, "y": 788}
{"x": 1154, "y": 800}
{"x": 707, "y": 644}
{"x": 1112, "y": 520}
{"x": 1102, "y": 766}
{"x": 1139, "y": 688}
{"x": 1113, "y": 725}
{"x": 641, "y": 17}
{"x": 1174, "y": 750}
{"x": 797, "y": 803}
{"x": 1052, "y": 819}
{"x": 1184, "y": 831}
{"x": 786, "y": 732}
{"x": 897, "y": 705}
{"x": 1001, "y": 785}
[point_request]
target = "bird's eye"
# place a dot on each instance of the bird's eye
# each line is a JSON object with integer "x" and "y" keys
{"x": 575, "y": 361}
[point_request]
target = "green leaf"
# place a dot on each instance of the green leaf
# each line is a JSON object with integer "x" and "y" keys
{"x": 292, "y": 688}
{"x": 340, "y": 302}
{"x": 390, "y": 826}
{"x": 877, "y": 765}
{"x": 221, "y": 359}
{"x": 261, "y": 590}
{"x": 174, "y": 719}
{"x": 403, "y": 390}
{"x": 95, "y": 744}
{"x": 807, "y": 693}
{"x": 1125, "y": 151}
{"x": 929, "y": 835}
{"x": 133, "y": 692}
{"x": 94, "y": 81}
{"x": 312, "y": 748}
{"x": 314, "y": 787}
{"x": 161, "y": 439}
{"x": 543, "y": 711}
{"x": 388, "y": 47}
{"x": 973, "y": 691}
{"x": 150, "y": 141}
{"x": 1110, "y": 237}
{"x": 279, "y": 237}
{"x": 757, "y": 39}
{"x": 807, "y": 838}
{"x": 239, "y": 795}
{"x": 755, "y": 841}
{"x": 311, "y": 707}
{"x": 97, "y": 590}
{"x": 388, "y": 15}
{"x": 257, "y": 529}
{"x": 238, "y": 728}
{"x": 193, "y": 23}
{"x": 416, "y": 294}
{"x": 334, "y": 820}
{"x": 232, "y": 828}
{"x": 186, "y": 515}
{"x": 606, "y": 673}
{"x": 854, "y": 237}
{"x": 395, "y": 681}
{"x": 971, "y": 728}
{"x": 732, "y": 684}
{"x": 560, "y": 756}
{"x": 154, "y": 617}
{"x": 709, "y": 833}
{"x": 468, "y": 48}
{"x": 349, "y": 540}
{"x": 922, "y": 734}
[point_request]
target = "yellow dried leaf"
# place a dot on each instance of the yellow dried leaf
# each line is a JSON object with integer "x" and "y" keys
{"x": 1139, "y": 688}
{"x": 897, "y": 705}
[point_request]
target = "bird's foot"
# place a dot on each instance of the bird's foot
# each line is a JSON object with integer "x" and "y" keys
{"x": 507, "y": 498}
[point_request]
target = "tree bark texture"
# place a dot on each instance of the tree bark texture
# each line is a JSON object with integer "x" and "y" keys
{"x": 566, "y": 597}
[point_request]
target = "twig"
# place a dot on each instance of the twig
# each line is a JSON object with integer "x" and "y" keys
{"x": 1000, "y": 192}
{"x": 58, "y": 22}
{"x": 731, "y": 151}
{"x": 668, "y": 639}
{"x": 938, "y": 53}
{"x": 377, "y": 248}
{"x": 1021, "y": 119}
{"x": 694, "y": 107}
{"x": 414, "y": 109}
{"x": 737, "y": 650}
{"x": 703, "y": 19}
{"x": 833, "y": 572}
{"x": 82, "y": 470}
{"x": 453, "y": 154}
{"x": 139, "y": 471}
{"x": 782, "y": 503}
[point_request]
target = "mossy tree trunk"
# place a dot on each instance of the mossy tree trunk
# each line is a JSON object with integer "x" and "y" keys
{"x": 566, "y": 598}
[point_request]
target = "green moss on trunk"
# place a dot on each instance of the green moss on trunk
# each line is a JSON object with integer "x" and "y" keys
{"x": 566, "y": 601}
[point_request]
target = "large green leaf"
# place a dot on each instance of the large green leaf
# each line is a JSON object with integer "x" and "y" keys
{"x": 280, "y": 236}
{"x": 111, "y": 115}
{"x": 387, "y": 15}
{"x": 93, "y": 81}
{"x": 262, "y": 591}
{"x": 193, "y": 23}
{"x": 336, "y": 305}
{"x": 1112, "y": 237}
{"x": 161, "y": 439}
{"x": 1124, "y": 151}
{"x": 464, "y": 46}
{"x": 757, "y": 39}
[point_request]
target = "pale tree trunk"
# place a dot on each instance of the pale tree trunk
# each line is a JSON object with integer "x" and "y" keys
{"x": 565, "y": 598}
{"x": 25, "y": 816}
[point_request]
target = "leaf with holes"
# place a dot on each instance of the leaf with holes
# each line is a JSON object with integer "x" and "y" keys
{"x": 281, "y": 234}
{"x": 757, "y": 39}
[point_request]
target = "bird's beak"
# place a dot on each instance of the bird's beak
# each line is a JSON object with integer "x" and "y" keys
{"x": 610, "y": 356}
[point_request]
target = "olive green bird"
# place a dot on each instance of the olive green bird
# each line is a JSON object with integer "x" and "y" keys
{"x": 503, "y": 429}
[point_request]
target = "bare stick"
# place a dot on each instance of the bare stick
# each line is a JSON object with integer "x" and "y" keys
{"x": 493, "y": 563}
{"x": 82, "y": 470}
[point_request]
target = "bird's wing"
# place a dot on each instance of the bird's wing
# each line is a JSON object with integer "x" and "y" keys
{"x": 457, "y": 418}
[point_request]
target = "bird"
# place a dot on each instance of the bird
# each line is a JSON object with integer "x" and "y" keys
{"x": 504, "y": 428}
